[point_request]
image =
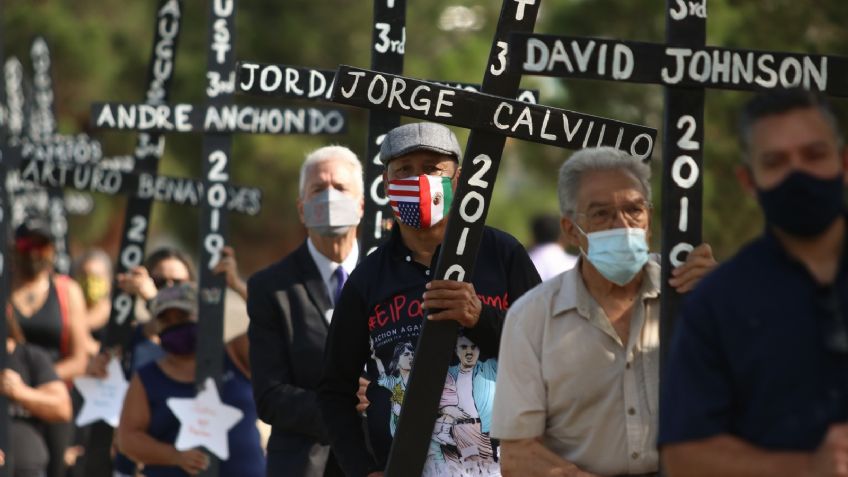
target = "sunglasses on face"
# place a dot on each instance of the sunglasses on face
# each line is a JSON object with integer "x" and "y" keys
{"x": 29, "y": 244}
{"x": 162, "y": 282}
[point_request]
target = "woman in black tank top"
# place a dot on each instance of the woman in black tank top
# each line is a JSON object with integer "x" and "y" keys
{"x": 50, "y": 310}
{"x": 44, "y": 327}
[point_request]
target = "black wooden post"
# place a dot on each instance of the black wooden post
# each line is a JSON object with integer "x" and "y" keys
{"x": 212, "y": 287}
{"x": 388, "y": 43}
{"x": 683, "y": 152}
{"x": 42, "y": 127}
{"x": 148, "y": 151}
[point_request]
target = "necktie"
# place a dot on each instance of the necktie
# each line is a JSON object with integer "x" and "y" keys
{"x": 340, "y": 276}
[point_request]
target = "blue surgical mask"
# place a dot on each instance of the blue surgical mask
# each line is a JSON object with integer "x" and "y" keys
{"x": 618, "y": 254}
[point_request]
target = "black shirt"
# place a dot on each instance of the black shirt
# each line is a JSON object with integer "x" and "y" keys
{"x": 749, "y": 358}
{"x": 377, "y": 322}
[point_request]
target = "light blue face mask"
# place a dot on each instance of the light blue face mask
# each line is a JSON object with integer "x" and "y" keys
{"x": 618, "y": 254}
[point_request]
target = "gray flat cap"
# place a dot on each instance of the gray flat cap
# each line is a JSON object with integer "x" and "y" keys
{"x": 419, "y": 137}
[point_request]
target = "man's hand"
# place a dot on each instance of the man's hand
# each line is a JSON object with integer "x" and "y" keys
{"x": 137, "y": 282}
{"x": 699, "y": 262}
{"x": 456, "y": 301}
{"x": 831, "y": 458}
{"x": 360, "y": 393}
{"x": 530, "y": 458}
{"x": 11, "y": 384}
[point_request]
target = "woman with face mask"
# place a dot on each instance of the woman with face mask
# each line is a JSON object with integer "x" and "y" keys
{"x": 50, "y": 309}
{"x": 148, "y": 429}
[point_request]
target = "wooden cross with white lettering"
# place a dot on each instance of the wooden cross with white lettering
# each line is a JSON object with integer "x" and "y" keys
{"x": 491, "y": 116}
{"x": 295, "y": 82}
{"x": 217, "y": 119}
{"x": 686, "y": 68}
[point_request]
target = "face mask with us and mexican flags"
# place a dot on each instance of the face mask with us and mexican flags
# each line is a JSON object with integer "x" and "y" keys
{"x": 421, "y": 202}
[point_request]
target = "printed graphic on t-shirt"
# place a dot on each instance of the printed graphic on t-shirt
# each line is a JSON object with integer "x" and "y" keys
{"x": 460, "y": 445}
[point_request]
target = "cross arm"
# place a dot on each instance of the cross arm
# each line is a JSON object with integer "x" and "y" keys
{"x": 441, "y": 104}
{"x": 670, "y": 65}
{"x": 298, "y": 82}
{"x": 173, "y": 190}
{"x": 226, "y": 118}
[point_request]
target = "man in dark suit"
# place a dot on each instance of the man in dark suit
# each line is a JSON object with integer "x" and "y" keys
{"x": 290, "y": 304}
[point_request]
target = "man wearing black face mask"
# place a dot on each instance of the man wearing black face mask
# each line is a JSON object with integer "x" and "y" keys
{"x": 379, "y": 317}
{"x": 757, "y": 375}
{"x": 290, "y": 304}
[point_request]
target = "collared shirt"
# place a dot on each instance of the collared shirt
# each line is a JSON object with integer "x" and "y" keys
{"x": 566, "y": 376}
{"x": 377, "y": 323}
{"x": 326, "y": 267}
{"x": 749, "y": 356}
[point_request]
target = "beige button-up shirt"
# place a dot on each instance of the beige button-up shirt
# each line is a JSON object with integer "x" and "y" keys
{"x": 564, "y": 374}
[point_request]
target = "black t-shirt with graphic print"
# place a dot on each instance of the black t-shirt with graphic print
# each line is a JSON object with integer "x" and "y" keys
{"x": 376, "y": 325}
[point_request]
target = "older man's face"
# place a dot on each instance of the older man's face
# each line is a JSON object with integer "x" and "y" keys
{"x": 608, "y": 200}
{"x": 336, "y": 173}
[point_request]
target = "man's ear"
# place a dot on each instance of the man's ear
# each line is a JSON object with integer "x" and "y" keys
{"x": 385, "y": 183}
{"x": 300, "y": 210}
{"x": 746, "y": 179}
{"x": 570, "y": 232}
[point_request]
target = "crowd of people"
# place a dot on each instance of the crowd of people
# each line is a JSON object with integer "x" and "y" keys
{"x": 556, "y": 369}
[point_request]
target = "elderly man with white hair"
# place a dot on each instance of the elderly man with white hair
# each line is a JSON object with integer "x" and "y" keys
{"x": 579, "y": 370}
{"x": 290, "y": 304}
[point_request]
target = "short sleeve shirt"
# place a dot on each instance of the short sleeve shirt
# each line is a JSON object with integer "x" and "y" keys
{"x": 565, "y": 375}
{"x": 748, "y": 357}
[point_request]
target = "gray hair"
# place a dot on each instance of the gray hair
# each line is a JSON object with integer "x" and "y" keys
{"x": 328, "y": 153}
{"x": 597, "y": 159}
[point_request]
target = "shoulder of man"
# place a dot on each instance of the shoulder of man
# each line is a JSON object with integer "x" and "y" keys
{"x": 279, "y": 273}
{"x": 536, "y": 305}
{"x": 500, "y": 241}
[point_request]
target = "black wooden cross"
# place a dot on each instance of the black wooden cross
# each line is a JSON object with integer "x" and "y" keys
{"x": 217, "y": 119}
{"x": 686, "y": 67}
{"x": 296, "y": 82}
{"x": 492, "y": 117}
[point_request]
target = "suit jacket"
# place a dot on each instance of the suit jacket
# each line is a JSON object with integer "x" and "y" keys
{"x": 287, "y": 304}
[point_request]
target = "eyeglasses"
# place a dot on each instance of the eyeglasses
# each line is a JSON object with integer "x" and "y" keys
{"x": 162, "y": 282}
{"x": 634, "y": 213}
{"x": 29, "y": 244}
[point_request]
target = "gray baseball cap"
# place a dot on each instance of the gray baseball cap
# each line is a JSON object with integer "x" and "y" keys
{"x": 419, "y": 137}
{"x": 180, "y": 297}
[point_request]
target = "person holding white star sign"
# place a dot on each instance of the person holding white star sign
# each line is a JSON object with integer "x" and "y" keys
{"x": 165, "y": 423}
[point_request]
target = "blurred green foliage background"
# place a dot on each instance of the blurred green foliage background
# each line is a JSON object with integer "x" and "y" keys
{"x": 101, "y": 49}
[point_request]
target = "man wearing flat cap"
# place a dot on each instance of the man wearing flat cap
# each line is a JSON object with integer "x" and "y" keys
{"x": 381, "y": 309}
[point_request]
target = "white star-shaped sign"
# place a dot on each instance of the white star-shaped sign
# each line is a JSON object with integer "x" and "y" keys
{"x": 102, "y": 398}
{"x": 205, "y": 421}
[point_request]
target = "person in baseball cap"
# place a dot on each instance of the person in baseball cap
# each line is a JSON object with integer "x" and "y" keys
{"x": 378, "y": 317}
{"x": 34, "y": 249}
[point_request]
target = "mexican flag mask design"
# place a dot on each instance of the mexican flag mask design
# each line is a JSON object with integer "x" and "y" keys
{"x": 422, "y": 201}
